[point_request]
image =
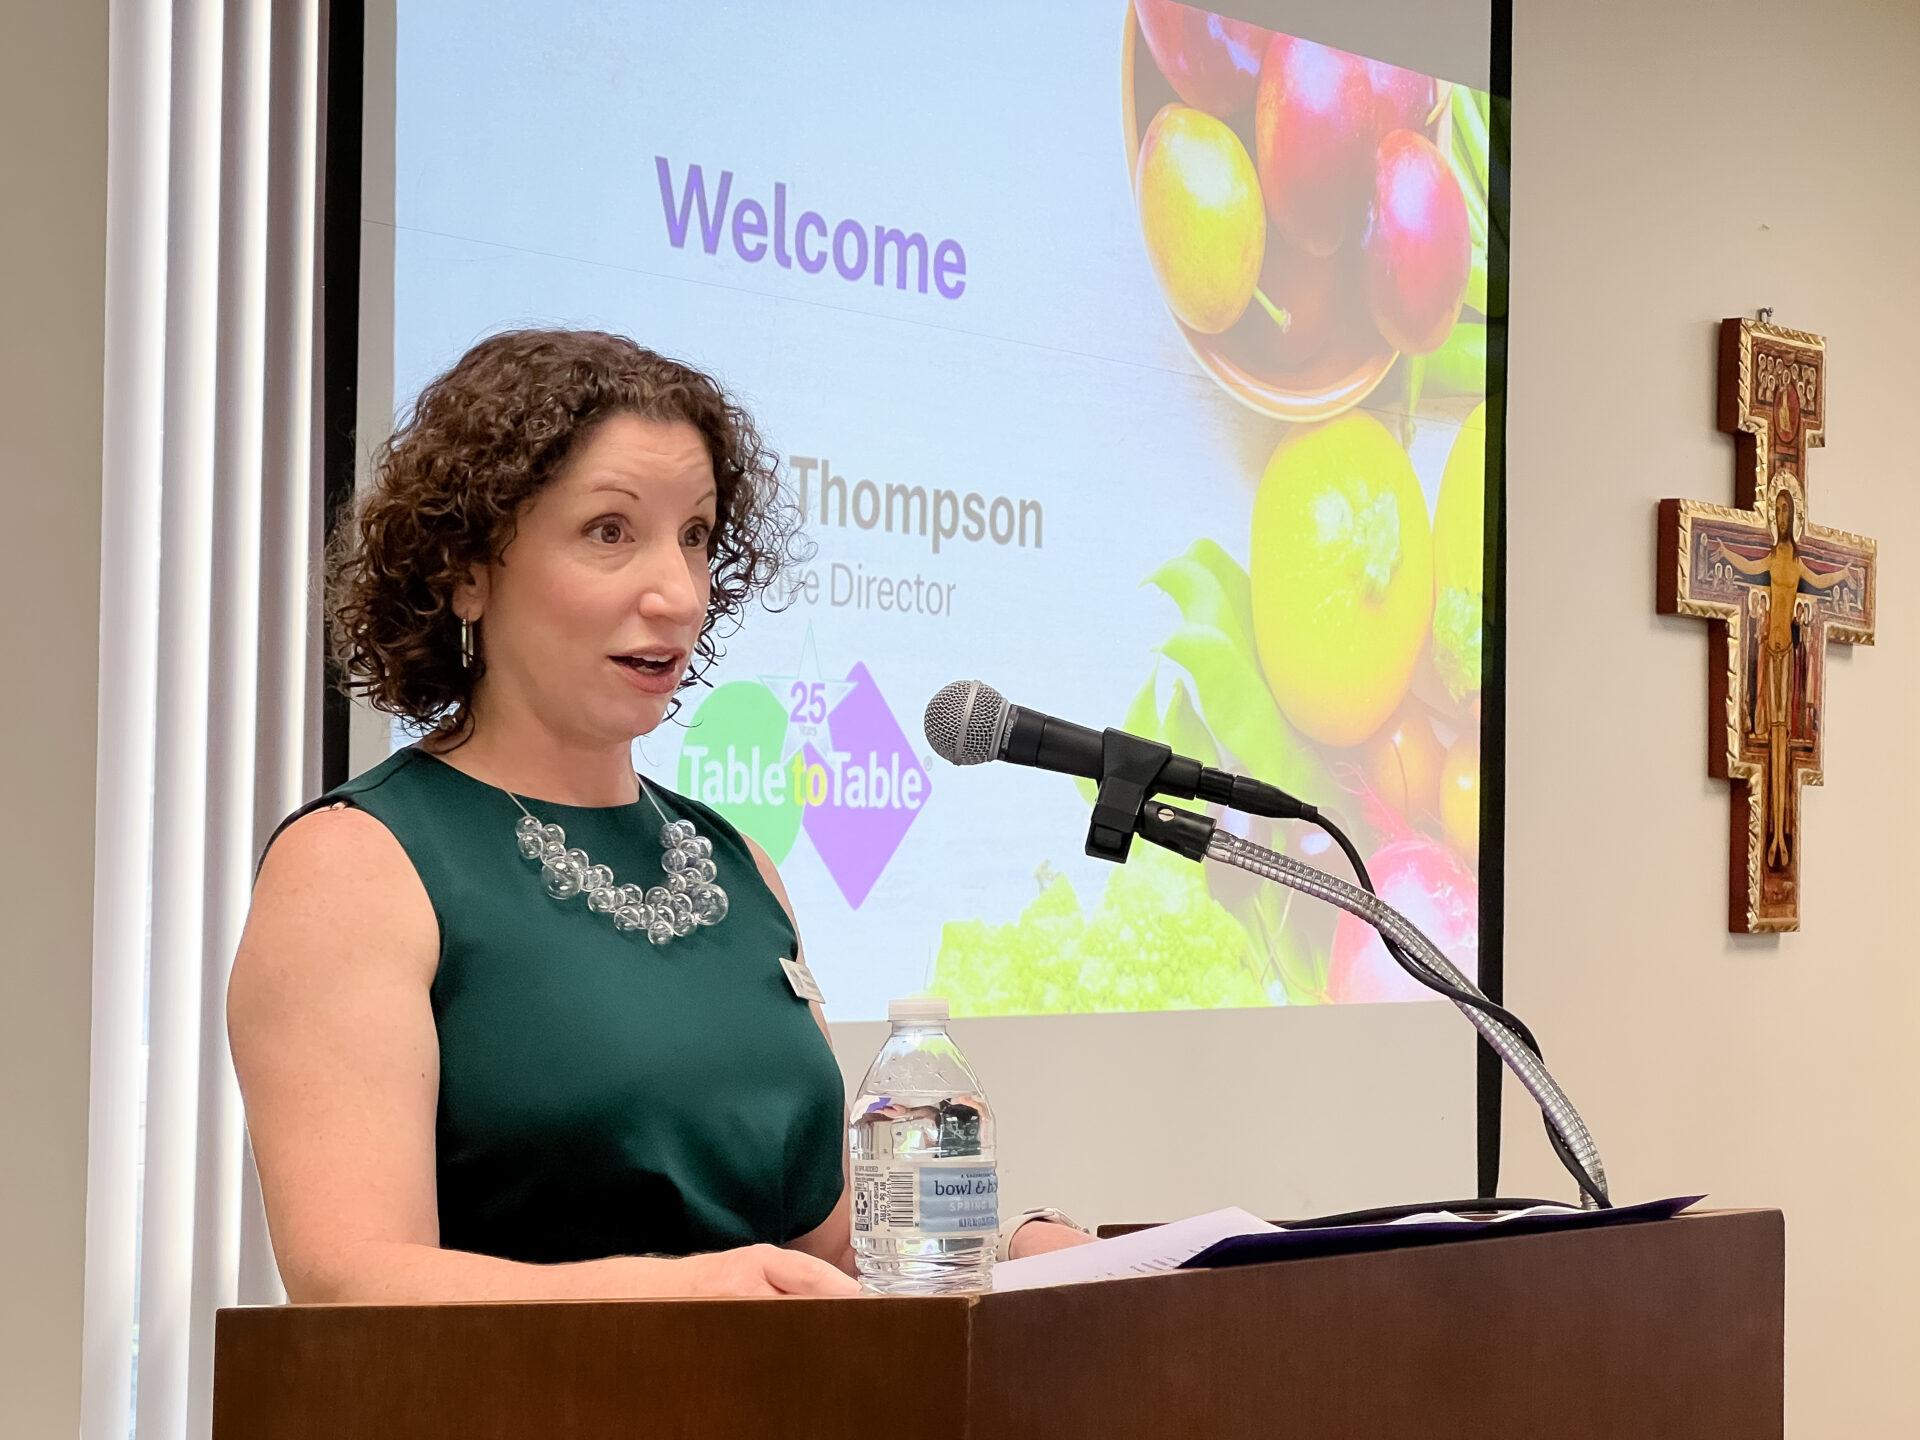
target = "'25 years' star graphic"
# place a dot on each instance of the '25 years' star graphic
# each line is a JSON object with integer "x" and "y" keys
{"x": 808, "y": 699}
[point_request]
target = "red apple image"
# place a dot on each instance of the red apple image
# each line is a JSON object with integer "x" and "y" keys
{"x": 1417, "y": 245}
{"x": 1303, "y": 287}
{"x": 1402, "y": 99}
{"x": 1313, "y": 133}
{"x": 1432, "y": 887}
{"x": 1211, "y": 62}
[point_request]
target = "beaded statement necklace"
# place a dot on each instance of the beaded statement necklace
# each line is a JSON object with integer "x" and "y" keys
{"x": 690, "y": 897}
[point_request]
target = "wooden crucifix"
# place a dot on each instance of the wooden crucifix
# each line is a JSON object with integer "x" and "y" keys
{"x": 1773, "y": 588}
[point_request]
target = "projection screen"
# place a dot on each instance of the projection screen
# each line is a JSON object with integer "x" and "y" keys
{"x": 1132, "y": 361}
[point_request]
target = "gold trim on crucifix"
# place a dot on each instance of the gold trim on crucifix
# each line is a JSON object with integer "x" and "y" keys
{"x": 1774, "y": 589}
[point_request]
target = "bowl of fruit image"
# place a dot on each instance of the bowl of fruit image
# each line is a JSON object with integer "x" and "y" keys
{"x": 1297, "y": 203}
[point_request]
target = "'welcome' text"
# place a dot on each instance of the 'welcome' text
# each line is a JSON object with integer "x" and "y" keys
{"x": 856, "y": 250}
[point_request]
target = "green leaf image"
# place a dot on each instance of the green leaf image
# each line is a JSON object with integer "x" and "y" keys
{"x": 1185, "y": 731}
{"x": 1457, "y": 627}
{"x": 1459, "y": 366}
{"x": 1214, "y": 645}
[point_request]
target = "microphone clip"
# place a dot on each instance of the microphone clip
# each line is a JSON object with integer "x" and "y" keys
{"x": 1133, "y": 771}
{"x": 1130, "y": 774}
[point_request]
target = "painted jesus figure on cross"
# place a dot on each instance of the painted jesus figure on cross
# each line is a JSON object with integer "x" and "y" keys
{"x": 1775, "y": 703}
{"x": 1774, "y": 589}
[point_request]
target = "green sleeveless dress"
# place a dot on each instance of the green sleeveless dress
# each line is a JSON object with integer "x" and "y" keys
{"x": 601, "y": 1095}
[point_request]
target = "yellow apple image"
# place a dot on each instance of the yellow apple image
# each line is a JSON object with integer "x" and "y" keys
{"x": 1202, "y": 216}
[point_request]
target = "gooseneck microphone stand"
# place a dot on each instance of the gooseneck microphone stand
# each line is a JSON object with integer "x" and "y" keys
{"x": 969, "y": 723}
{"x": 1198, "y": 838}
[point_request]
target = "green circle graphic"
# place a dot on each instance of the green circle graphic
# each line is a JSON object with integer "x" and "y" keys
{"x": 730, "y": 759}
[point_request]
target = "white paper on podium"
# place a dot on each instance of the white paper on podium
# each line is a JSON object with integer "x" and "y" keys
{"x": 1447, "y": 1217}
{"x": 1144, "y": 1252}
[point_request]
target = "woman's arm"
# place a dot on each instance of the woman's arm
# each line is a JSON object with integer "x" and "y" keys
{"x": 334, "y": 1043}
{"x": 832, "y": 1239}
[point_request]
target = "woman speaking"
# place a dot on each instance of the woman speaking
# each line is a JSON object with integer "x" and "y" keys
{"x": 510, "y": 1021}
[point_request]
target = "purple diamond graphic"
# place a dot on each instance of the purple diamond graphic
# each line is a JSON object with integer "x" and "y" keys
{"x": 873, "y": 793}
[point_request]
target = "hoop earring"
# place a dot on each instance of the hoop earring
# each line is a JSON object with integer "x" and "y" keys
{"x": 466, "y": 643}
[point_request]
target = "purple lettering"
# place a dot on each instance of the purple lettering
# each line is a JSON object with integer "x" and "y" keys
{"x": 695, "y": 192}
{"x": 757, "y": 229}
{"x": 780, "y": 226}
{"x": 902, "y": 242}
{"x": 812, "y": 264}
{"x": 750, "y": 227}
{"x": 844, "y": 231}
{"x": 948, "y": 260}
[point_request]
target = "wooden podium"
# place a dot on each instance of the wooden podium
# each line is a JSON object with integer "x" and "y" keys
{"x": 1659, "y": 1331}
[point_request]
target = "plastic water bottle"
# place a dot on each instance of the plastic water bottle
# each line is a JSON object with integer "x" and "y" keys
{"x": 926, "y": 1201}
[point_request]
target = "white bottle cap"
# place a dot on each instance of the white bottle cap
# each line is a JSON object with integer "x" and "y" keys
{"x": 925, "y": 1010}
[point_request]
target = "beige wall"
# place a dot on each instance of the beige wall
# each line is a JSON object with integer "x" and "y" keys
{"x": 1675, "y": 163}
{"x": 53, "y": 170}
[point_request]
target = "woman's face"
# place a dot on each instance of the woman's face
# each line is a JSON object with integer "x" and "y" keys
{"x": 589, "y": 617}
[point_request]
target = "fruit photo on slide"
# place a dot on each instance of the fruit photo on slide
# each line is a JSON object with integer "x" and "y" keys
{"x": 1315, "y": 219}
{"x": 1316, "y": 224}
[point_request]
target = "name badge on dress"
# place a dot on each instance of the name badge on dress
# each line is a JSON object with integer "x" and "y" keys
{"x": 800, "y": 978}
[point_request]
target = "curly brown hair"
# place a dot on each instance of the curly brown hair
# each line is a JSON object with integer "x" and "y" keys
{"x": 479, "y": 443}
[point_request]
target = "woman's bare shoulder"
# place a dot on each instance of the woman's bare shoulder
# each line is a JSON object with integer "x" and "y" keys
{"x": 337, "y": 873}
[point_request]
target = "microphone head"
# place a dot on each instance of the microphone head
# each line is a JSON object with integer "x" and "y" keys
{"x": 965, "y": 722}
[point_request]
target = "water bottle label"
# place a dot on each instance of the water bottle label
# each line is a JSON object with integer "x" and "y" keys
{"x": 956, "y": 1196}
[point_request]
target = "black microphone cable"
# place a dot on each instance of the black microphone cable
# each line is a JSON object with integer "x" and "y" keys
{"x": 1491, "y": 1009}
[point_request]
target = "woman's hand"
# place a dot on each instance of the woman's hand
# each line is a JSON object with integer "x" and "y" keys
{"x": 758, "y": 1270}
{"x": 1037, "y": 1237}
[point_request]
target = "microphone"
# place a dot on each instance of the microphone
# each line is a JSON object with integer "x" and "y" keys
{"x": 970, "y": 723}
